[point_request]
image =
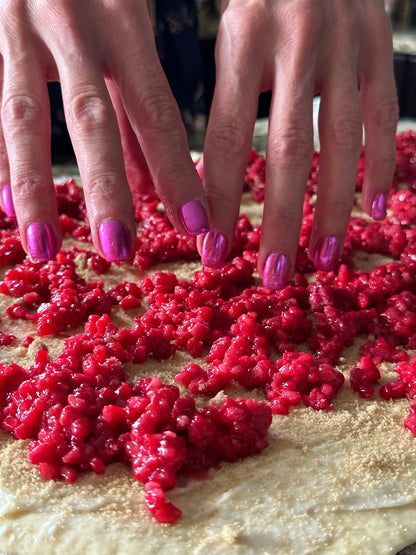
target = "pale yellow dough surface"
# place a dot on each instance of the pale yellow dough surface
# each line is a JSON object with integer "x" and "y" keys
{"x": 340, "y": 482}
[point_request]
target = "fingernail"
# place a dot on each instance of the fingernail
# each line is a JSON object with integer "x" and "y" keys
{"x": 7, "y": 199}
{"x": 193, "y": 218}
{"x": 276, "y": 271}
{"x": 214, "y": 249}
{"x": 115, "y": 241}
{"x": 200, "y": 168}
{"x": 327, "y": 253}
{"x": 379, "y": 206}
{"x": 41, "y": 242}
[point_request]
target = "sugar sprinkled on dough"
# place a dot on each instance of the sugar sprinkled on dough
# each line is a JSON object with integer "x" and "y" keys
{"x": 306, "y": 492}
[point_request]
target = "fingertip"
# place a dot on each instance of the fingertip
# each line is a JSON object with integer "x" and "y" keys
{"x": 200, "y": 167}
{"x": 276, "y": 271}
{"x": 327, "y": 253}
{"x": 213, "y": 249}
{"x": 7, "y": 201}
{"x": 193, "y": 217}
{"x": 379, "y": 206}
{"x": 115, "y": 241}
{"x": 41, "y": 241}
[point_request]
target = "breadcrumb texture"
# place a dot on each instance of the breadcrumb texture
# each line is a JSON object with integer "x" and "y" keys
{"x": 340, "y": 481}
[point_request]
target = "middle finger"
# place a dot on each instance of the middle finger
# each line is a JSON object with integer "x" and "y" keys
{"x": 92, "y": 125}
{"x": 340, "y": 133}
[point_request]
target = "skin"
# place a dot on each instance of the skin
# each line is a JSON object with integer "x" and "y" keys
{"x": 297, "y": 48}
{"x": 125, "y": 126}
{"x": 105, "y": 92}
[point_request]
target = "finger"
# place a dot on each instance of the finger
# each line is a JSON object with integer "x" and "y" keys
{"x": 137, "y": 171}
{"x": 156, "y": 121}
{"x": 26, "y": 125}
{"x": 6, "y": 190}
{"x": 380, "y": 114}
{"x": 228, "y": 139}
{"x": 289, "y": 156}
{"x": 93, "y": 128}
{"x": 340, "y": 132}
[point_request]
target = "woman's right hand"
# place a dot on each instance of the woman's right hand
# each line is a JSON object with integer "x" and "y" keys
{"x": 104, "y": 55}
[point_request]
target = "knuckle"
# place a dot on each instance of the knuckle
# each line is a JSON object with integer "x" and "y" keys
{"x": 229, "y": 200}
{"x": 383, "y": 166}
{"x": 340, "y": 207}
{"x": 4, "y": 158}
{"x": 238, "y": 15}
{"x": 242, "y": 28}
{"x": 159, "y": 109}
{"x": 307, "y": 21}
{"x": 103, "y": 188}
{"x": 291, "y": 146}
{"x": 386, "y": 114}
{"x": 44, "y": 6}
{"x": 21, "y": 111}
{"x": 229, "y": 135}
{"x": 345, "y": 132}
{"x": 60, "y": 13}
{"x": 168, "y": 176}
{"x": 288, "y": 217}
{"x": 88, "y": 109}
{"x": 26, "y": 189}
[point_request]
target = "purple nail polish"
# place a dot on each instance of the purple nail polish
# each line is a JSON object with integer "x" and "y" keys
{"x": 193, "y": 218}
{"x": 7, "y": 199}
{"x": 41, "y": 242}
{"x": 276, "y": 271}
{"x": 214, "y": 249}
{"x": 115, "y": 241}
{"x": 327, "y": 253}
{"x": 200, "y": 167}
{"x": 379, "y": 206}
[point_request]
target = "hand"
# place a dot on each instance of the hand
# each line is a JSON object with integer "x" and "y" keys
{"x": 104, "y": 55}
{"x": 298, "y": 48}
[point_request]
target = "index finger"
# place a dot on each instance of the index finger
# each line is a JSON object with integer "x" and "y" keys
{"x": 157, "y": 123}
{"x": 228, "y": 140}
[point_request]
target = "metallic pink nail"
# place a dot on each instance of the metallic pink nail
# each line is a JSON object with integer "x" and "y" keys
{"x": 214, "y": 249}
{"x": 379, "y": 206}
{"x": 327, "y": 253}
{"x": 193, "y": 218}
{"x": 41, "y": 242}
{"x": 276, "y": 271}
{"x": 7, "y": 199}
{"x": 200, "y": 168}
{"x": 115, "y": 241}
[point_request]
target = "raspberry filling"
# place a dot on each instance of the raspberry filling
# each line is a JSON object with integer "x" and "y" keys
{"x": 81, "y": 411}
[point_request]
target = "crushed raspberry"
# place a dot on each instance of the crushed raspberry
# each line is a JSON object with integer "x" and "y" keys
{"x": 6, "y": 338}
{"x": 298, "y": 377}
{"x": 98, "y": 264}
{"x": 363, "y": 376}
{"x": 11, "y": 250}
{"x": 26, "y": 341}
{"x": 405, "y": 386}
{"x": 80, "y": 411}
{"x": 255, "y": 176}
{"x": 380, "y": 350}
{"x": 403, "y": 206}
{"x": 400, "y": 319}
{"x": 410, "y": 420}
